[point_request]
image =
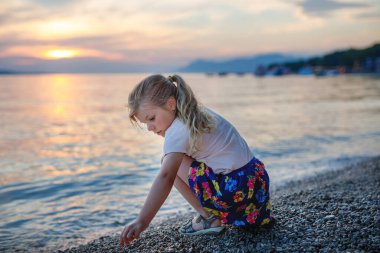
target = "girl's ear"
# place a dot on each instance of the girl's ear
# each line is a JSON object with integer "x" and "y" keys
{"x": 172, "y": 103}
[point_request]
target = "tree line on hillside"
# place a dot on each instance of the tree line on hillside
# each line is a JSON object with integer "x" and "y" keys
{"x": 347, "y": 61}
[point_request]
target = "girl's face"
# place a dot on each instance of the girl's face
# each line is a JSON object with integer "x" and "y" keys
{"x": 157, "y": 119}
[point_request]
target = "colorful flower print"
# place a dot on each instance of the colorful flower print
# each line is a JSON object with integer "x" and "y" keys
{"x": 192, "y": 175}
{"x": 260, "y": 195}
{"x": 251, "y": 218}
{"x": 222, "y": 204}
{"x": 251, "y": 186}
{"x": 249, "y": 209}
{"x": 223, "y": 216}
{"x": 196, "y": 190}
{"x": 240, "y": 208}
{"x": 265, "y": 221}
{"x": 200, "y": 171}
{"x": 216, "y": 186}
{"x": 239, "y": 196}
{"x": 206, "y": 190}
{"x": 230, "y": 184}
{"x": 207, "y": 171}
{"x": 239, "y": 223}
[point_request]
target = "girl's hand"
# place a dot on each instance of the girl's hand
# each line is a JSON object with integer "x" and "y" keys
{"x": 132, "y": 231}
{"x": 157, "y": 195}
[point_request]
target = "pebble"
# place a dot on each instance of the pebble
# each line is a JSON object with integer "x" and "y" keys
{"x": 334, "y": 212}
{"x": 329, "y": 217}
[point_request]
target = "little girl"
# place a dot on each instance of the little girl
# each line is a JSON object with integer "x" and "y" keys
{"x": 205, "y": 158}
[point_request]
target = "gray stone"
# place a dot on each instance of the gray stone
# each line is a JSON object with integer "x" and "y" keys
{"x": 329, "y": 217}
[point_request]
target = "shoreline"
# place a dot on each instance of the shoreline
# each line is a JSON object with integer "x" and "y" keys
{"x": 337, "y": 210}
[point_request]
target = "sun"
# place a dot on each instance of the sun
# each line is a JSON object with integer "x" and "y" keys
{"x": 61, "y": 53}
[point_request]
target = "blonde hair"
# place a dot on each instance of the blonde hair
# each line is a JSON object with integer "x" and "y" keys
{"x": 156, "y": 90}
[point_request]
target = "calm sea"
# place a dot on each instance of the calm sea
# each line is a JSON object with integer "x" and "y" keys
{"x": 72, "y": 167}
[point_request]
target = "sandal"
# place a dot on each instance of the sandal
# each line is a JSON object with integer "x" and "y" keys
{"x": 187, "y": 228}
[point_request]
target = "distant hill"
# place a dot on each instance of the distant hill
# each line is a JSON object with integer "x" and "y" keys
{"x": 353, "y": 60}
{"x": 16, "y": 72}
{"x": 243, "y": 64}
{"x": 7, "y": 72}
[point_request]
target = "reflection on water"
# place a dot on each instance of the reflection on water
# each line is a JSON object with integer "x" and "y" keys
{"x": 60, "y": 90}
{"x": 73, "y": 168}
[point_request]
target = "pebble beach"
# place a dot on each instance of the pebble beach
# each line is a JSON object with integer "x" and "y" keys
{"x": 338, "y": 211}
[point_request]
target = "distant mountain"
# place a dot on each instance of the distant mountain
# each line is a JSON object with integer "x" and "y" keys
{"x": 243, "y": 64}
{"x": 7, "y": 72}
{"x": 16, "y": 72}
{"x": 352, "y": 59}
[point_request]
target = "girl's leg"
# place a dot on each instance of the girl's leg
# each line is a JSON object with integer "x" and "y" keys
{"x": 182, "y": 185}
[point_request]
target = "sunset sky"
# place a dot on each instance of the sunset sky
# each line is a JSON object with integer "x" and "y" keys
{"x": 145, "y": 35}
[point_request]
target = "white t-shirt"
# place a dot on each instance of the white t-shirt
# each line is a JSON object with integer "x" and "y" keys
{"x": 223, "y": 150}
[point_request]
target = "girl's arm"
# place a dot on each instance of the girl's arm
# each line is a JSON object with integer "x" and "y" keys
{"x": 160, "y": 190}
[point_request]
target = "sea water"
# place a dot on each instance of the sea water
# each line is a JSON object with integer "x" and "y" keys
{"x": 73, "y": 168}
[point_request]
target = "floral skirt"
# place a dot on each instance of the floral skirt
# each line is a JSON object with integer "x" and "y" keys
{"x": 240, "y": 198}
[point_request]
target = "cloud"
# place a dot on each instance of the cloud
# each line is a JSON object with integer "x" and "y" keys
{"x": 175, "y": 32}
{"x": 51, "y": 3}
{"x": 325, "y": 7}
{"x": 11, "y": 13}
{"x": 368, "y": 15}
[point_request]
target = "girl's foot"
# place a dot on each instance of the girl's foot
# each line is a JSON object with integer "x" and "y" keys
{"x": 200, "y": 225}
{"x": 197, "y": 223}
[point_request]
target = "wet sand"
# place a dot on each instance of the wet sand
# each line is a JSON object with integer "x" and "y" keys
{"x": 332, "y": 212}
